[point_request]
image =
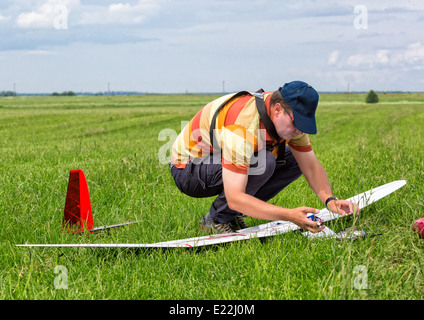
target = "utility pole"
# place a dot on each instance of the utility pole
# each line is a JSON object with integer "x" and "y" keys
{"x": 223, "y": 87}
{"x": 14, "y": 89}
{"x": 108, "y": 89}
{"x": 348, "y": 96}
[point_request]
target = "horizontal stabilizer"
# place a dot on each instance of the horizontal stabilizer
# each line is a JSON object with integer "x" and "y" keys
{"x": 101, "y": 228}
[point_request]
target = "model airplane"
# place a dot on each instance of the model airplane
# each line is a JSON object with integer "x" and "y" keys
{"x": 261, "y": 231}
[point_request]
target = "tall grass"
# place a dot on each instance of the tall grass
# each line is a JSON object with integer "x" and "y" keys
{"x": 115, "y": 141}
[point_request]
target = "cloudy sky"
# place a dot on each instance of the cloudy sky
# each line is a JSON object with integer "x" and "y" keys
{"x": 205, "y": 45}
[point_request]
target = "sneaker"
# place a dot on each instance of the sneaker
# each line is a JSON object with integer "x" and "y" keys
{"x": 209, "y": 224}
{"x": 239, "y": 223}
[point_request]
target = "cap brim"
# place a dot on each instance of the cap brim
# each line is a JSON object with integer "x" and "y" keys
{"x": 305, "y": 124}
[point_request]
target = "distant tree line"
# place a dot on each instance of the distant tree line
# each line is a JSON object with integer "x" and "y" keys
{"x": 6, "y": 94}
{"x": 64, "y": 93}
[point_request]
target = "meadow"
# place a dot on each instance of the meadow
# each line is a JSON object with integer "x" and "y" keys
{"x": 115, "y": 141}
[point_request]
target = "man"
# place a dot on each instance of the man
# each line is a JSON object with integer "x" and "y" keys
{"x": 258, "y": 145}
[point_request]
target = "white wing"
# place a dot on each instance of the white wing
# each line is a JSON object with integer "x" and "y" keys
{"x": 264, "y": 230}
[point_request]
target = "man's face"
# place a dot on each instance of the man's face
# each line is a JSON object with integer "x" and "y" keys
{"x": 284, "y": 123}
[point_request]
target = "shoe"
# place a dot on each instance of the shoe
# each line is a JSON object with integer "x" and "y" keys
{"x": 209, "y": 224}
{"x": 239, "y": 223}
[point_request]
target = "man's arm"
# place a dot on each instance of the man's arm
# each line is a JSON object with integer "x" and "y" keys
{"x": 240, "y": 201}
{"x": 317, "y": 178}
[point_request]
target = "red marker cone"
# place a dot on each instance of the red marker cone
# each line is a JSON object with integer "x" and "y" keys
{"x": 419, "y": 227}
{"x": 77, "y": 213}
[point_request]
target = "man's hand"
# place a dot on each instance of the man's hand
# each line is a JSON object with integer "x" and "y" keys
{"x": 343, "y": 207}
{"x": 298, "y": 216}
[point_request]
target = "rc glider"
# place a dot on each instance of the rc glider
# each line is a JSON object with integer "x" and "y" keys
{"x": 78, "y": 213}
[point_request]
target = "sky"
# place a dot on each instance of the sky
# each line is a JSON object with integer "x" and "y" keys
{"x": 177, "y": 46}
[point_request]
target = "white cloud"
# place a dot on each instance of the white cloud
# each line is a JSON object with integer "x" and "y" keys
{"x": 120, "y": 13}
{"x": 44, "y": 15}
{"x": 397, "y": 68}
{"x": 40, "y": 52}
{"x": 117, "y": 13}
{"x": 369, "y": 59}
{"x": 412, "y": 55}
{"x": 333, "y": 57}
{"x": 3, "y": 18}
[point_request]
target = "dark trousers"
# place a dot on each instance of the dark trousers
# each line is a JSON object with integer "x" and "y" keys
{"x": 204, "y": 179}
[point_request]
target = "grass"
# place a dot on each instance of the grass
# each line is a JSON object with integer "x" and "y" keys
{"x": 115, "y": 141}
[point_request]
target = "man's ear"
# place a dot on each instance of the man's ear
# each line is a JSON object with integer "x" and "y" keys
{"x": 278, "y": 108}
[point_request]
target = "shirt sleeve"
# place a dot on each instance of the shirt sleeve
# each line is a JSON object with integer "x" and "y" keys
{"x": 301, "y": 143}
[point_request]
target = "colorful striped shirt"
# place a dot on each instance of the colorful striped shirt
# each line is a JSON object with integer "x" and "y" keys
{"x": 239, "y": 132}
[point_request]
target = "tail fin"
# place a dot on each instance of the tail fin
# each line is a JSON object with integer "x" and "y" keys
{"x": 77, "y": 205}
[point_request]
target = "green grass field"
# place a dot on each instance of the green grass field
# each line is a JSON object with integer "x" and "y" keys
{"x": 115, "y": 141}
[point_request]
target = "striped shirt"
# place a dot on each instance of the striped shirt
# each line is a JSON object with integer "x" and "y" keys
{"x": 238, "y": 131}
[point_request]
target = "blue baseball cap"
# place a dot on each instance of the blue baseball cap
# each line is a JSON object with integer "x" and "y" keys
{"x": 303, "y": 99}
